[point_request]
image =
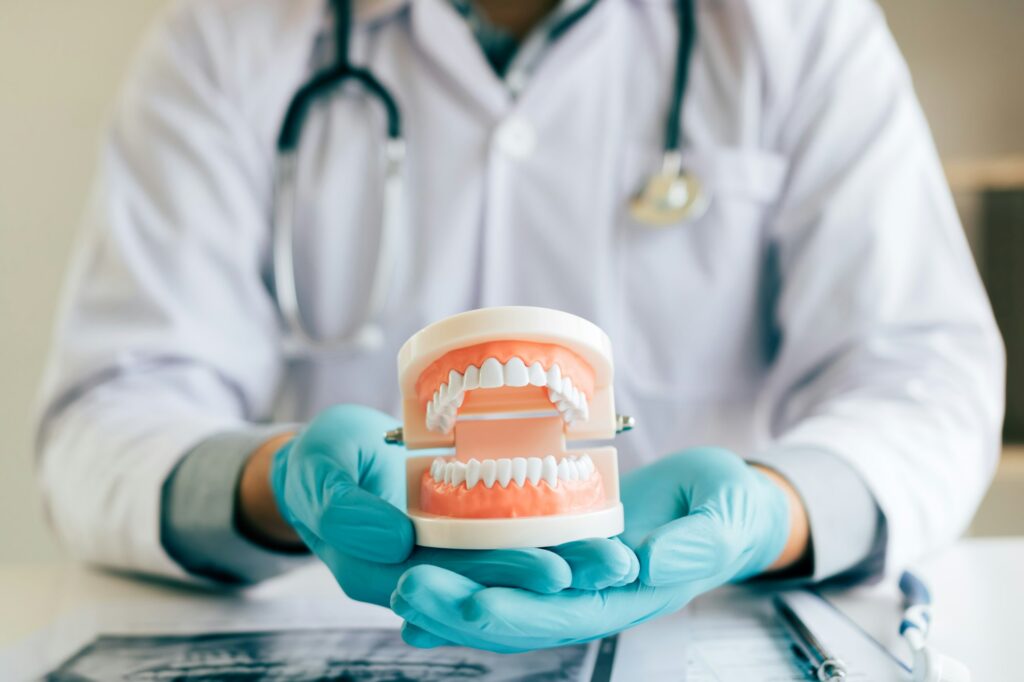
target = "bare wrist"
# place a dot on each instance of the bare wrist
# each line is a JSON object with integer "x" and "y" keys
{"x": 798, "y": 544}
{"x": 256, "y": 513}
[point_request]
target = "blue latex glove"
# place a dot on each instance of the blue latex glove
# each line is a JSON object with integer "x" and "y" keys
{"x": 343, "y": 490}
{"x": 696, "y": 519}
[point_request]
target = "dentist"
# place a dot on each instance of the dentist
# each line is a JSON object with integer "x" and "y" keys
{"x": 812, "y": 355}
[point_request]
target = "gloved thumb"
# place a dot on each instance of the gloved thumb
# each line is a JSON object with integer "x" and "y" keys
{"x": 334, "y": 510}
{"x": 696, "y": 547}
{"x": 362, "y": 525}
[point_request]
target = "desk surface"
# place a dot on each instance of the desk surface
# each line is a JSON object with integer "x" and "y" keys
{"x": 976, "y": 584}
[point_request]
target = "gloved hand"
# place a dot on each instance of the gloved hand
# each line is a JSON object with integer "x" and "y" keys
{"x": 696, "y": 519}
{"x": 343, "y": 490}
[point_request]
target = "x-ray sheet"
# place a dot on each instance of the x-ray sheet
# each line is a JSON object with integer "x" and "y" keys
{"x": 282, "y": 634}
{"x": 306, "y": 656}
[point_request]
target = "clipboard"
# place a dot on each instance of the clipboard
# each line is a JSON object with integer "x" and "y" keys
{"x": 733, "y": 635}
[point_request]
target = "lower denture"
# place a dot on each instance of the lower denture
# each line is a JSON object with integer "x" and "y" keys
{"x": 513, "y": 500}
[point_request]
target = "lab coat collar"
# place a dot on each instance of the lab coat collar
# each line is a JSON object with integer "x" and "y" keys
{"x": 370, "y": 11}
{"x": 447, "y": 40}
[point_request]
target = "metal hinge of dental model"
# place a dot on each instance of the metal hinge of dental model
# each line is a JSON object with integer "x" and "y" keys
{"x": 623, "y": 423}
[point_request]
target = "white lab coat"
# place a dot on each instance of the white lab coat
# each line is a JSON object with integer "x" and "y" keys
{"x": 827, "y": 300}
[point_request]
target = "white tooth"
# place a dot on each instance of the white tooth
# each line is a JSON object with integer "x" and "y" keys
{"x": 587, "y": 464}
{"x": 584, "y": 410}
{"x": 449, "y": 472}
{"x": 491, "y": 375}
{"x": 436, "y": 469}
{"x": 472, "y": 473}
{"x": 516, "y": 374}
{"x": 445, "y": 421}
{"x": 563, "y": 469}
{"x": 430, "y": 415}
{"x": 519, "y": 470}
{"x": 471, "y": 380}
{"x": 488, "y": 470}
{"x": 458, "y": 474}
{"x": 460, "y": 399}
{"x": 437, "y": 401}
{"x": 454, "y": 382}
{"x": 533, "y": 467}
{"x": 555, "y": 377}
{"x": 504, "y": 471}
{"x": 574, "y": 470}
{"x": 554, "y": 396}
{"x": 566, "y": 389}
{"x": 537, "y": 375}
{"x": 549, "y": 471}
{"x": 442, "y": 394}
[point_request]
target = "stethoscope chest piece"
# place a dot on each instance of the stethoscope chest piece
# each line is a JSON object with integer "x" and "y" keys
{"x": 670, "y": 197}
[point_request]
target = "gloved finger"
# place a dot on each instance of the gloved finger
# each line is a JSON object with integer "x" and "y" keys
{"x": 532, "y": 569}
{"x": 697, "y": 547}
{"x": 529, "y": 568}
{"x": 420, "y": 638}
{"x": 599, "y": 563}
{"x": 454, "y": 591}
{"x": 431, "y": 627}
{"x": 503, "y": 619}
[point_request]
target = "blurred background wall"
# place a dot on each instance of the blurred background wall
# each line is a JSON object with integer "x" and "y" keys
{"x": 61, "y": 61}
{"x": 60, "y": 64}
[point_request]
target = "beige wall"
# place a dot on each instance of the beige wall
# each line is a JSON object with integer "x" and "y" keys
{"x": 60, "y": 62}
{"x": 967, "y": 58}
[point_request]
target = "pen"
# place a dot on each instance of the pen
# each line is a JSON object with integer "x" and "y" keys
{"x": 824, "y": 666}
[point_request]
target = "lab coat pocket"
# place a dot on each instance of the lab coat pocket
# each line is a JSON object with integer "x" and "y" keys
{"x": 693, "y": 294}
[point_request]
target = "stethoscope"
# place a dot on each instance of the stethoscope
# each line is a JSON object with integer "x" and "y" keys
{"x": 672, "y": 196}
{"x": 928, "y": 665}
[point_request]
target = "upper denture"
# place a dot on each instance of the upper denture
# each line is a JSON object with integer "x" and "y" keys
{"x": 442, "y": 387}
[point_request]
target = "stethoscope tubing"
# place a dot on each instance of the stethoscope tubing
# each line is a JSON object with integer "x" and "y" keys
{"x": 917, "y": 610}
{"x": 368, "y": 334}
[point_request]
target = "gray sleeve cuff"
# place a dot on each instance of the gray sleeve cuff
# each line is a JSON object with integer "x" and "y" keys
{"x": 197, "y": 519}
{"x": 848, "y": 529}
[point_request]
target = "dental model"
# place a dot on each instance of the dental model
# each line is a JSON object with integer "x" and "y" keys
{"x": 504, "y": 389}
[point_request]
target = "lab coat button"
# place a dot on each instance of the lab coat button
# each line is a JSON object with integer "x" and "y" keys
{"x": 516, "y": 138}
{"x": 515, "y": 81}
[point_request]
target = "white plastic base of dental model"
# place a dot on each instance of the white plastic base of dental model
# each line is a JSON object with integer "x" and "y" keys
{"x": 526, "y": 531}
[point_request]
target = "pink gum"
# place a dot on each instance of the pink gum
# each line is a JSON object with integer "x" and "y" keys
{"x": 547, "y": 354}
